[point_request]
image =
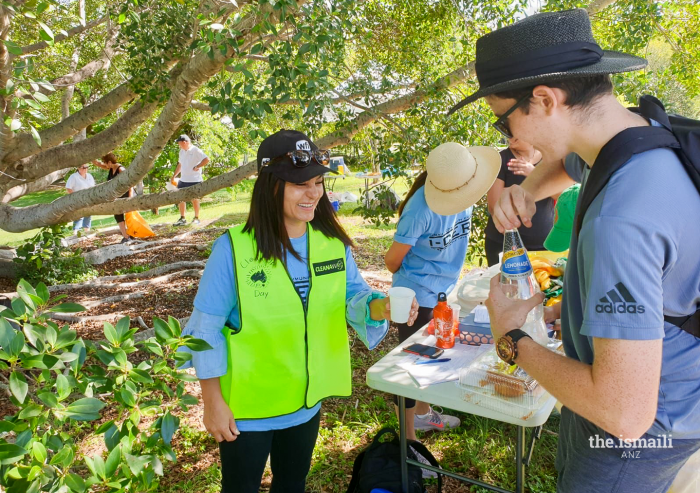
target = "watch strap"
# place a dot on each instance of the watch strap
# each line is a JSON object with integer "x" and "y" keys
{"x": 517, "y": 334}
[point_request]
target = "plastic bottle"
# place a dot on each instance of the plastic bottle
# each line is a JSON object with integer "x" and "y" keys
{"x": 519, "y": 281}
{"x": 444, "y": 323}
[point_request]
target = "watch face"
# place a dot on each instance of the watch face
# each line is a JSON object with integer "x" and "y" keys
{"x": 504, "y": 348}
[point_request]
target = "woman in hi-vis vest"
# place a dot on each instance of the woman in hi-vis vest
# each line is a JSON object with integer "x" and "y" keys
{"x": 274, "y": 302}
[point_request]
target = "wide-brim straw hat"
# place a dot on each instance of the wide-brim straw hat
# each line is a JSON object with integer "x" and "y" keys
{"x": 543, "y": 48}
{"x": 459, "y": 176}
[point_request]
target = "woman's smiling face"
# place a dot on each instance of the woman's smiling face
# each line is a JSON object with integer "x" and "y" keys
{"x": 300, "y": 201}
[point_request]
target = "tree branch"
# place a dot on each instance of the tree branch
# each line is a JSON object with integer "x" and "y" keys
{"x": 62, "y": 37}
{"x": 35, "y": 186}
{"x": 26, "y": 146}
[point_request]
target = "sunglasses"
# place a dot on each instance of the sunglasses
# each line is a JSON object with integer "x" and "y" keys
{"x": 301, "y": 158}
{"x": 502, "y": 123}
{"x": 83, "y": 167}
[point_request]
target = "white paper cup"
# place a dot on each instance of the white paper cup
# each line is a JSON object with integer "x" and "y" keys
{"x": 401, "y": 300}
{"x": 456, "y": 308}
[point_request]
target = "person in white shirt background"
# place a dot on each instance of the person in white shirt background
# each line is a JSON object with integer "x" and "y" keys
{"x": 76, "y": 182}
{"x": 190, "y": 163}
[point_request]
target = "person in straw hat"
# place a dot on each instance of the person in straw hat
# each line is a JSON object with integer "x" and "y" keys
{"x": 630, "y": 380}
{"x": 431, "y": 241}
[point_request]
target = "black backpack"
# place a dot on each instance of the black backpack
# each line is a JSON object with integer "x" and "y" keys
{"x": 379, "y": 466}
{"x": 678, "y": 133}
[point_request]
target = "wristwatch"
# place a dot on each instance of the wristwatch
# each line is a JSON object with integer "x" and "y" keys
{"x": 507, "y": 346}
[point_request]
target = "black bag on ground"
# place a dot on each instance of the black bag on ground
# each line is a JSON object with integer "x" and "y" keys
{"x": 676, "y": 132}
{"x": 379, "y": 466}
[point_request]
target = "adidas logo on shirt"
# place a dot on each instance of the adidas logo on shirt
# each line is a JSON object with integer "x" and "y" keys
{"x": 618, "y": 300}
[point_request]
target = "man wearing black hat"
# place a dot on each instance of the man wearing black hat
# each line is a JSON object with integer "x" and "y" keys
{"x": 630, "y": 381}
{"x": 190, "y": 163}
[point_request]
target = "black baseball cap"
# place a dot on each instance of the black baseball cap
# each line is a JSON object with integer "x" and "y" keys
{"x": 279, "y": 144}
{"x": 183, "y": 138}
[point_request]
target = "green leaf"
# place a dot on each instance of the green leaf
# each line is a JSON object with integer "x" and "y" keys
{"x": 197, "y": 344}
{"x": 13, "y": 48}
{"x": 111, "y": 333}
{"x": 67, "y": 308}
{"x": 18, "y": 386}
{"x": 41, "y": 290}
{"x": 113, "y": 460}
{"x": 18, "y": 306}
{"x": 163, "y": 331}
{"x": 75, "y": 483}
{"x": 15, "y": 125}
{"x": 40, "y": 97}
{"x": 39, "y": 452}
{"x": 63, "y": 386}
{"x": 97, "y": 465}
{"x": 127, "y": 397}
{"x": 30, "y": 410}
{"x": 11, "y": 453}
{"x": 6, "y": 426}
{"x": 35, "y": 135}
{"x": 123, "y": 328}
{"x": 86, "y": 409}
{"x": 65, "y": 338}
{"x": 104, "y": 427}
{"x": 46, "y": 32}
{"x": 136, "y": 463}
{"x": 174, "y": 326}
{"x": 17, "y": 344}
{"x": 48, "y": 398}
{"x": 64, "y": 457}
{"x": 168, "y": 426}
{"x": 140, "y": 376}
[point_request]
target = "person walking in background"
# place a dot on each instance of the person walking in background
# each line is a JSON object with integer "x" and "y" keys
{"x": 109, "y": 162}
{"x": 80, "y": 180}
{"x": 517, "y": 162}
{"x": 431, "y": 242}
{"x": 274, "y": 302}
{"x": 189, "y": 165}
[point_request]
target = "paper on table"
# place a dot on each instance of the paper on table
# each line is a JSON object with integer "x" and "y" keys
{"x": 460, "y": 355}
{"x": 481, "y": 315}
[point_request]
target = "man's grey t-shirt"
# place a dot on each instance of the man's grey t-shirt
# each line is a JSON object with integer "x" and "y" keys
{"x": 636, "y": 259}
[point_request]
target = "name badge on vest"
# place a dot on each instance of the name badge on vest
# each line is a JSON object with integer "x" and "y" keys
{"x": 329, "y": 267}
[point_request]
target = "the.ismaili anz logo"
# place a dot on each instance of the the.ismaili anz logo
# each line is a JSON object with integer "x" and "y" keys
{"x": 619, "y": 300}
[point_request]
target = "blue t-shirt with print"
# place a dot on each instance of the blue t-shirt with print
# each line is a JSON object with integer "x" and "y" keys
{"x": 637, "y": 259}
{"x": 438, "y": 248}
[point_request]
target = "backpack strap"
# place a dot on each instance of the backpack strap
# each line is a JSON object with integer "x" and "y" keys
{"x": 689, "y": 323}
{"x": 615, "y": 154}
{"x": 618, "y": 151}
{"x": 423, "y": 450}
{"x": 355, "y": 479}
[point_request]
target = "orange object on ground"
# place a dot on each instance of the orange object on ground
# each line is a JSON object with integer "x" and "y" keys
{"x": 137, "y": 226}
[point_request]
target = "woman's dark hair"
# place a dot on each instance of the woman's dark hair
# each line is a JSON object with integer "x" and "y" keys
{"x": 419, "y": 182}
{"x": 109, "y": 158}
{"x": 266, "y": 219}
{"x": 580, "y": 91}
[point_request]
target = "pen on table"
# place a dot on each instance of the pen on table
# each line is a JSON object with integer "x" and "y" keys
{"x": 441, "y": 360}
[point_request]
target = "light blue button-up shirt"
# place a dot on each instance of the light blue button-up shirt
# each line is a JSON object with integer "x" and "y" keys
{"x": 217, "y": 301}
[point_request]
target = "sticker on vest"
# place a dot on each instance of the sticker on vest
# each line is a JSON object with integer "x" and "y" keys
{"x": 329, "y": 266}
{"x": 257, "y": 275}
{"x": 516, "y": 264}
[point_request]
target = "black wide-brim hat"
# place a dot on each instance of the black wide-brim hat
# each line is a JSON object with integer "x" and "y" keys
{"x": 544, "y": 47}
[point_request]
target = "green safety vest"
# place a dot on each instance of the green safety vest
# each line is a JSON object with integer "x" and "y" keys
{"x": 284, "y": 357}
